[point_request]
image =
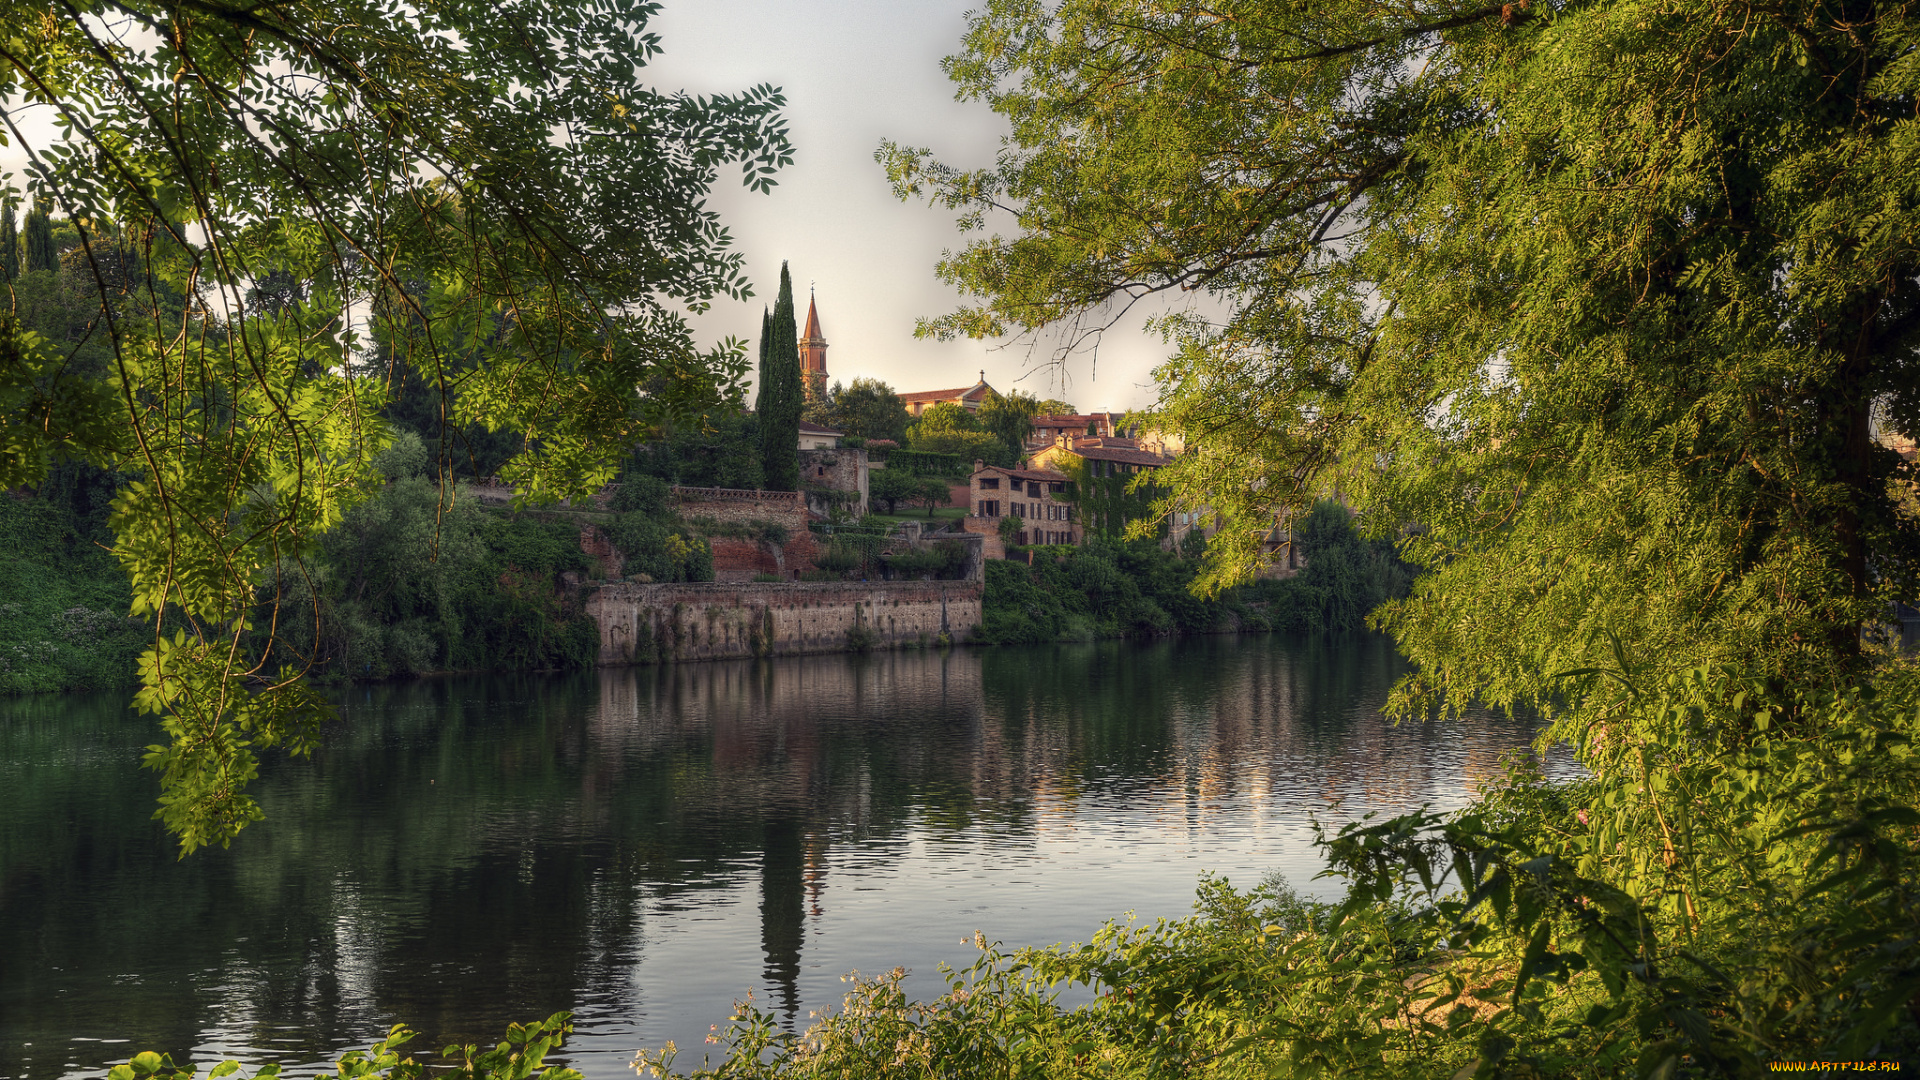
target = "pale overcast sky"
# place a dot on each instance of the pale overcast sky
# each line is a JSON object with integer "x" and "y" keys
{"x": 855, "y": 72}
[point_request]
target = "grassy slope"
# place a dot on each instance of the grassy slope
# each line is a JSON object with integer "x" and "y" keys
{"x": 63, "y": 605}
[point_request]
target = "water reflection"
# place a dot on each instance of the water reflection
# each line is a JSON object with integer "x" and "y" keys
{"x": 641, "y": 846}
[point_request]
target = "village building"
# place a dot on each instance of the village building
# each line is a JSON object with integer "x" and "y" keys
{"x": 1048, "y": 430}
{"x": 1100, "y": 455}
{"x": 1040, "y": 498}
{"x": 815, "y": 437}
{"x": 969, "y": 398}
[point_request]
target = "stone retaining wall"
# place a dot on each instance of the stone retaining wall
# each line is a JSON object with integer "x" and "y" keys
{"x": 719, "y": 620}
{"x": 737, "y": 506}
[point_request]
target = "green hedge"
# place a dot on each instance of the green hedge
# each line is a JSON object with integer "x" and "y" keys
{"x": 1101, "y": 590}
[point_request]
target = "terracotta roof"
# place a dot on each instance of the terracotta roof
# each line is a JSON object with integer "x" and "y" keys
{"x": 816, "y": 429}
{"x": 1047, "y": 475}
{"x": 975, "y": 392}
{"x": 1074, "y": 420}
{"x": 1126, "y": 451}
{"x": 813, "y": 323}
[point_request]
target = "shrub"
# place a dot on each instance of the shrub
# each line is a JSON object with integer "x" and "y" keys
{"x": 840, "y": 559}
{"x": 942, "y": 559}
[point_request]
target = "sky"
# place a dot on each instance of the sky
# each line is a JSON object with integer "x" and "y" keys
{"x": 855, "y": 72}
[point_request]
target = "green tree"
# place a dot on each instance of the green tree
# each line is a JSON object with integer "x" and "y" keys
{"x": 967, "y": 446}
{"x": 9, "y": 242}
{"x": 547, "y": 273}
{"x": 37, "y": 239}
{"x": 933, "y": 493}
{"x": 780, "y": 401}
{"x": 1009, "y": 418}
{"x": 869, "y": 409}
{"x": 1603, "y": 298}
{"x": 943, "y": 416}
{"x": 891, "y": 486}
{"x": 720, "y": 450}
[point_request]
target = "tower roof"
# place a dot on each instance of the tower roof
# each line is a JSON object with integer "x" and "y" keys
{"x": 813, "y": 323}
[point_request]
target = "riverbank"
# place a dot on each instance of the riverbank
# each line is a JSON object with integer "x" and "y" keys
{"x": 727, "y": 621}
{"x": 406, "y": 587}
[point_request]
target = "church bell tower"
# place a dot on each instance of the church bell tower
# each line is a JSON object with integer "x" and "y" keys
{"x": 813, "y": 354}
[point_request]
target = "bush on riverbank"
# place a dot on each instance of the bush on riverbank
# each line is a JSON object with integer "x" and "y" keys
{"x": 1735, "y": 885}
{"x": 406, "y": 585}
{"x": 1345, "y": 578}
{"x": 1100, "y": 590}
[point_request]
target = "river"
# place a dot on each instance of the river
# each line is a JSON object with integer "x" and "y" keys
{"x": 643, "y": 846}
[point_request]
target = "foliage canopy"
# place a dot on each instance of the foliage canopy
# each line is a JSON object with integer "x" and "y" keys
{"x": 490, "y": 190}
{"x": 1603, "y": 297}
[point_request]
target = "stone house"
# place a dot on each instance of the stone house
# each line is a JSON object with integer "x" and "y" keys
{"x": 835, "y": 469}
{"x": 1048, "y": 430}
{"x": 1040, "y": 498}
{"x": 1113, "y": 456}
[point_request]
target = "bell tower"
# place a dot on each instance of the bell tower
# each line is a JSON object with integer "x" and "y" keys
{"x": 813, "y": 354}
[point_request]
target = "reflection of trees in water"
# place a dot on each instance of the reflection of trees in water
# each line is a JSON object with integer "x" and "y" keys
{"x": 463, "y": 853}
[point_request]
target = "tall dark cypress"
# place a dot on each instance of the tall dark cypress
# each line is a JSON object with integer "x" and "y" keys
{"x": 780, "y": 401}
{"x": 766, "y": 350}
{"x": 39, "y": 240}
{"x": 9, "y": 245}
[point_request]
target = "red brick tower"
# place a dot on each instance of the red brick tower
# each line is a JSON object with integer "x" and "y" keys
{"x": 813, "y": 354}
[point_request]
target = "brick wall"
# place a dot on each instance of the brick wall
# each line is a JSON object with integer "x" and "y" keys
{"x": 737, "y": 559}
{"x": 716, "y": 621}
{"x": 596, "y": 545}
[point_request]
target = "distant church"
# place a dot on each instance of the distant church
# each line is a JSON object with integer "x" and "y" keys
{"x": 813, "y": 373}
{"x": 813, "y": 354}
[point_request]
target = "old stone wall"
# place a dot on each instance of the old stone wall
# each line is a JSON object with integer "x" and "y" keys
{"x": 741, "y": 558}
{"x": 735, "y": 506}
{"x": 714, "y": 621}
{"x": 840, "y": 469}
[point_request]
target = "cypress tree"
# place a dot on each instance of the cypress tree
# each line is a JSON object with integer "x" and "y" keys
{"x": 779, "y": 402}
{"x": 9, "y": 245}
{"x": 39, "y": 240}
{"x": 766, "y": 350}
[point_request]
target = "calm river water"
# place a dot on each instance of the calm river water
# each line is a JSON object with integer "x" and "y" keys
{"x": 643, "y": 846}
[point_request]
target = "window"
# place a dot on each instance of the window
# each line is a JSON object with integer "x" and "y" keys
{"x": 989, "y": 507}
{"x": 990, "y": 483}
{"x": 1033, "y": 489}
{"x": 1057, "y": 487}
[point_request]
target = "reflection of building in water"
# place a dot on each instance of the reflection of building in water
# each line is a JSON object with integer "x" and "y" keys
{"x": 787, "y": 758}
{"x": 790, "y": 745}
